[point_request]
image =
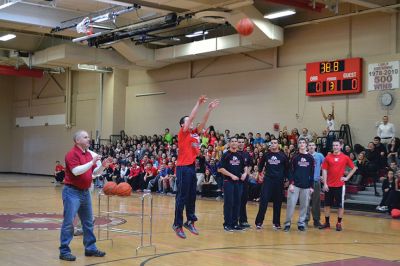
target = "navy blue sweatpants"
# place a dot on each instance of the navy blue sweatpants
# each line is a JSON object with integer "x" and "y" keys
{"x": 186, "y": 182}
{"x": 232, "y": 195}
{"x": 272, "y": 188}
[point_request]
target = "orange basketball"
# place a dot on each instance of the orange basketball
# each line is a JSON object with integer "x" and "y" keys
{"x": 109, "y": 188}
{"x": 245, "y": 27}
{"x": 123, "y": 189}
{"x": 395, "y": 213}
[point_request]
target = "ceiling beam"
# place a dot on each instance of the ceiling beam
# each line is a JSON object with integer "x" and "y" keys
{"x": 303, "y": 4}
{"x": 146, "y": 4}
{"x": 36, "y": 15}
{"x": 368, "y": 5}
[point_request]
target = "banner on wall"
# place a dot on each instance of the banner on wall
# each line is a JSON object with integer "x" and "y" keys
{"x": 383, "y": 76}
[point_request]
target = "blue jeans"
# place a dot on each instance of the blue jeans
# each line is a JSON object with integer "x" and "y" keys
{"x": 186, "y": 182}
{"x": 232, "y": 196}
{"x": 77, "y": 201}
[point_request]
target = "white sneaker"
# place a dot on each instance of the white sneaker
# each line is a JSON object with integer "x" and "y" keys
{"x": 78, "y": 232}
{"x": 146, "y": 190}
{"x": 382, "y": 208}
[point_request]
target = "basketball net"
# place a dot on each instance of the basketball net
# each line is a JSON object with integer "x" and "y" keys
{"x": 84, "y": 26}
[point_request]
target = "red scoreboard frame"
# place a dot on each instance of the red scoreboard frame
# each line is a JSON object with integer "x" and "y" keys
{"x": 334, "y": 77}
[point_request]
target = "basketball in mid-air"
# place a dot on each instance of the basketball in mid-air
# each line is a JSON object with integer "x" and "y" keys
{"x": 245, "y": 27}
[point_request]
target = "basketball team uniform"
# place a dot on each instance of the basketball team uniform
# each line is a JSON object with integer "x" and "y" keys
{"x": 276, "y": 169}
{"x": 232, "y": 162}
{"x": 186, "y": 181}
{"x": 335, "y": 165}
{"x": 301, "y": 176}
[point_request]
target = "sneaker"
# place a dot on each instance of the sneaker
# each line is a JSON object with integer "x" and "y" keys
{"x": 179, "y": 231}
{"x": 190, "y": 226}
{"x": 276, "y": 227}
{"x": 228, "y": 228}
{"x": 259, "y": 226}
{"x": 317, "y": 224}
{"x": 339, "y": 227}
{"x": 287, "y": 228}
{"x": 238, "y": 228}
{"x": 245, "y": 225}
{"x": 95, "y": 253}
{"x": 67, "y": 257}
{"x": 325, "y": 226}
{"x": 301, "y": 228}
{"x": 78, "y": 232}
{"x": 146, "y": 190}
{"x": 219, "y": 198}
{"x": 385, "y": 208}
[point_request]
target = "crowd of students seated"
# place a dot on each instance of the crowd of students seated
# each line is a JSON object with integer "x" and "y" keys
{"x": 147, "y": 163}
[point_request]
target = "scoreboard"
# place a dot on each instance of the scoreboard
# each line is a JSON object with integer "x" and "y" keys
{"x": 334, "y": 77}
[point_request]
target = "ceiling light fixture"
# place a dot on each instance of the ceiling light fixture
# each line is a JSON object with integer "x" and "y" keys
{"x": 280, "y": 14}
{"x": 95, "y": 68}
{"x": 197, "y": 33}
{"x": 7, "y": 37}
{"x": 150, "y": 94}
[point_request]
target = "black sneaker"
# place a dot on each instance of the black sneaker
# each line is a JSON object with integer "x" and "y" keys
{"x": 325, "y": 226}
{"x": 245, "y": 225}
{"x": 67, "y": 257}
{"x": 301, "y": 228}
{"x": 238, "y": 228}
{"x": 317, "y": 224}
{"x": 339, "y": 227}
{"x": 95, "y": 253}
{"x": 228, "y": 228}
{"x": 287, "y": 228}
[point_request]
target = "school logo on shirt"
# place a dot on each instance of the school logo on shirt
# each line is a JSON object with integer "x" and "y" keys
{"x": 195, "y": 144}
{"x": 336, "y": 159}
{"x": 274, "y": 160}
{"x": 303, "y": 162}
{"x": 234, "y": 161}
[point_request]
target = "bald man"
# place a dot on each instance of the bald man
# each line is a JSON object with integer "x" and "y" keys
{"x": 81, "y": 165}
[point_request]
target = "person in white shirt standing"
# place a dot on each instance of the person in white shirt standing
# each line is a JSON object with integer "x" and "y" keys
{"x": 330, "y": 118}
{"x": 386, "y": 130}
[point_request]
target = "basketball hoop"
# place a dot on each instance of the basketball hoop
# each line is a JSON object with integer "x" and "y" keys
{"x": 83, "y": 26}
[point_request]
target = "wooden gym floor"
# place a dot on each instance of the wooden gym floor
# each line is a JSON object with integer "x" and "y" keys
{"x": 367, "y": 239}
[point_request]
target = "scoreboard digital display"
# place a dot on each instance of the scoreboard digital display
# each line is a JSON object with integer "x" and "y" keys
{"x": 334, "y": 77}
